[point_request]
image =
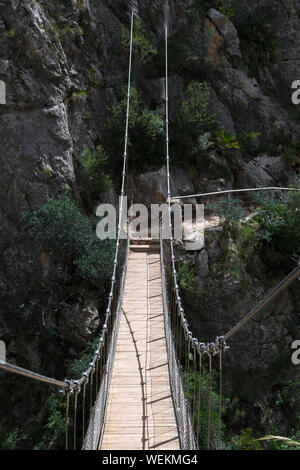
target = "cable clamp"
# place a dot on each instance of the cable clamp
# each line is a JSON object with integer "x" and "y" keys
{"x": 70, "y": 388}
{"x": 212, "y": 349}
{"x": 221, "y": 344}
{"x": 202, "y": 349}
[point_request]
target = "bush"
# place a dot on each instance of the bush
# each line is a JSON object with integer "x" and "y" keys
{"x": 226, "y": 8}
{"x": 246, "y": 441}
{"x": 202, "y": 416}
{"x": 225, "y": 140}
{"x": 194, "y": 123}
{"x": 229, "y": 210}
{"x": 279, "y": 223}
{"x": 146, "y": 133}
{"x": 12, "y": 440}
{"x": 193, "y": 113}
{"x": 140, "y": 41}
{"x": 93, "y": 164}
{"x": 70, "y": 238}
{"x": 259, "y": 32}
{"x": 187, "y": 278}
{"x": 53, "y": 434}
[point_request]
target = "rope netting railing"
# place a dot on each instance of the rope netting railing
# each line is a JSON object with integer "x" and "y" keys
{"x": 86, "y": 397}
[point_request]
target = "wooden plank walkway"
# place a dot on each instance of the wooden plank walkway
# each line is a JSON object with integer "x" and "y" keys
{"x": 140, "y": 413}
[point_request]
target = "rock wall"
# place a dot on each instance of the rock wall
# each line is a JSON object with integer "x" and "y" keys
{"x": 63, "y": 65}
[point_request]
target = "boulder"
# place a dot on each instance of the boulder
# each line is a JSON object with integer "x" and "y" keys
{"x": 227, "y": 30}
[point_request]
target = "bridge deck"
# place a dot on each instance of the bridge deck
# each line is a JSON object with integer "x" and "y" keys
{"x": 140, "y": 414}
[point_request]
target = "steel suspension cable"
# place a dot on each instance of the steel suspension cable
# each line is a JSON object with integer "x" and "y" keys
{"x": 67, "y": 419}
{"x": 209, "y": 400}
{"x": 220, "y": 396}
{"x": 199, "y": 397}
{"x": 75, "y": 419}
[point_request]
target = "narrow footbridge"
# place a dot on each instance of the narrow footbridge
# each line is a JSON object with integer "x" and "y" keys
{"x": 140, "y": 412}
{"x": 143, "y": 387}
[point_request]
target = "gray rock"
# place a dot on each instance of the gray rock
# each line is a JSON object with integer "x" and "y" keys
{"x": 267, "y": 171}
{"x": 201, "y": 264}
{"x": 227, "y": 30}
{"x": 151, "y": 187}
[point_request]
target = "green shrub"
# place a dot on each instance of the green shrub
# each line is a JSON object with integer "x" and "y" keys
{"x": 60, "y": 30}
{"x": 186, "y": 277}
{"x": 229, "y": 210}
{"x": 258, "y": 30}
{"x": 140, "y": 41}
{"x": 226, "y": 8}
{"x": 290, "y": 153}
{"x": 246, "y": 441}
{"x": 70, "y": 238}
{"x": 12, "y": 439}
{"x": 194, "y": 123}
{"x": 279, "y": 223}
{"x": 53, "y": 434}
{"x": 93, "y": 164}
{"x": 248, "y": 242}
{"x": 225, "y": 140}
{"x": 204, "y": 143}
{"x": 146, "y": 133}
{"x": 194, "y": 111}
{"x": 202, "y": 415}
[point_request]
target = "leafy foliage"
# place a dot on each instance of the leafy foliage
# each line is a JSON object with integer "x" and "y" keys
{"x": 225, "y": 140}
{"x": 279, "y": 223}
{"x": 140, "y": 41}
{"x": 193, "y": 381}
{"x": 93, "y": 164}
{"x": 54, "y": 430}
{"x": 249, "y": 141}
{"x": 12, "y": 440}
{"x": 258, "y": 31}
{"x": 194, "y": 123}
{"x": 229, "y": 210}
{"x": 194, "y": 111}
{"x": 226, "y": 8}
{"x": 80, "y": 365}
{"x": 186, "y": 277}
{"x": 70, "y": 238}
{"x": 204, "y": 143}
{"x": 246, "y": 441}
{"x": 146, "y": 132}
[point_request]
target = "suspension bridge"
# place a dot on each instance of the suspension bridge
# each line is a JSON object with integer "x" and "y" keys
{"x": 135, "y": 393}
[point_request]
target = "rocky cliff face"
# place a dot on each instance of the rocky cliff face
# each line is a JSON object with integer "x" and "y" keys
{"x": 63, "y": 64}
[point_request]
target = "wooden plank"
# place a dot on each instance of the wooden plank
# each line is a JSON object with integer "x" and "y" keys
{"x": 140, "y": 413}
